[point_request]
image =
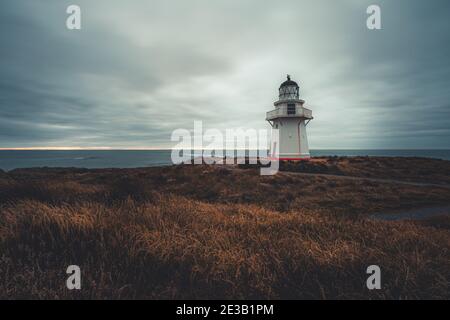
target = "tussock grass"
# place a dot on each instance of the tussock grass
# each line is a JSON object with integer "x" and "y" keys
{"x": 412, "y": 169}
{"x": 173, "y": 233}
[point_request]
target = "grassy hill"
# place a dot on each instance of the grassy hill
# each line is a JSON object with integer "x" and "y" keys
{"x": 217, "y": 232}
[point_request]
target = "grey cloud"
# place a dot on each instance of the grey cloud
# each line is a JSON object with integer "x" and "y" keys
{"x": 137, "y": 70}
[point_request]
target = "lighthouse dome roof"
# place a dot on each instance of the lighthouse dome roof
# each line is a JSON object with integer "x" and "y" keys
{"x": 289, "y": 90}
{"x": 289, "y": 83}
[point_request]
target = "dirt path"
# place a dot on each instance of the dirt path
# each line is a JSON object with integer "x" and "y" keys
{"x": 410, "y": 183}
{"x": 411, "y": 214}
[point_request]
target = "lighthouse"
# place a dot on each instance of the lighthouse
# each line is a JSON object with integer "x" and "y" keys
{"x": 288, "y": 121}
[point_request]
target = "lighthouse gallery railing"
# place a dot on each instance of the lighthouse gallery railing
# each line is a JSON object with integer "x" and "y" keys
{"x": 282, "y": 111}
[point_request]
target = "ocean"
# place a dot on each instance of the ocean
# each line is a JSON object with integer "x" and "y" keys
{"x": 12, "y": 159}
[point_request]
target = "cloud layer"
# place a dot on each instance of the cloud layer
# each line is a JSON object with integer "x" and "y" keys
{"x": 140, "y": 69}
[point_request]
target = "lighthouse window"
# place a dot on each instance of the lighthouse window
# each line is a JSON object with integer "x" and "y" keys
{"x": 291, "y": 108}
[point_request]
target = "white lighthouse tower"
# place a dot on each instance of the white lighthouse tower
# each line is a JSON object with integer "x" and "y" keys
{"x": 290, "y": 117}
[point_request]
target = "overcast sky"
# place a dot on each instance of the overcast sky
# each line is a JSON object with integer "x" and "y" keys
{"x": 140, "y": 69}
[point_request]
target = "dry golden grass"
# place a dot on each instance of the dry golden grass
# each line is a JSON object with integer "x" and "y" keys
{"x": 210, "y": 232}
{"x": 403, "y": 168}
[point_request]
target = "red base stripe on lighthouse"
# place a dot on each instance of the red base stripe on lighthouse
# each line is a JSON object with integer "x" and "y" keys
{"x": 290, "y": 159}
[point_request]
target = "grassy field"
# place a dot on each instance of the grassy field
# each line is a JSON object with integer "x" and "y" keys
{"x": 218, "y": 232}
{"x": 421, "y": 170}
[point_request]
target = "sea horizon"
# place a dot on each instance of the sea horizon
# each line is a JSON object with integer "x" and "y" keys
{"x": 132, "y": 158}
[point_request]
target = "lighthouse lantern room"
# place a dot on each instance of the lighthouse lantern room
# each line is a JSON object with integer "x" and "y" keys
{"x": 289, "y": 119}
